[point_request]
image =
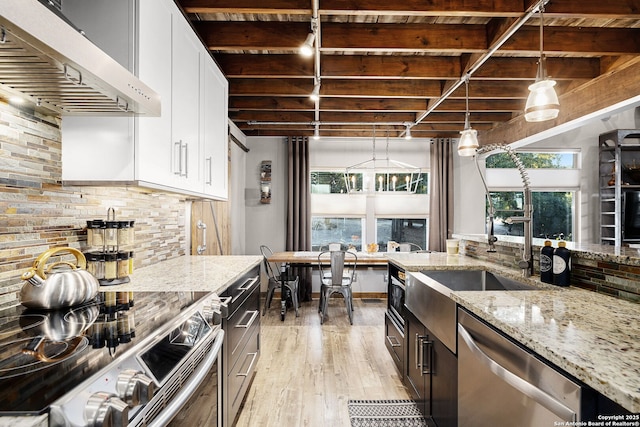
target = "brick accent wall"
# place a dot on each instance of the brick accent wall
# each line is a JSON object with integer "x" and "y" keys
{"x": 589, "y": 271}
{"x": 37, "y": 212}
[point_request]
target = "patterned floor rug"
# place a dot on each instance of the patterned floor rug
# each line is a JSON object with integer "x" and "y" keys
{"x": 385, "y": 413}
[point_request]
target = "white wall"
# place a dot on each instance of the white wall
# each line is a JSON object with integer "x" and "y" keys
{"x": 265, "y": 223}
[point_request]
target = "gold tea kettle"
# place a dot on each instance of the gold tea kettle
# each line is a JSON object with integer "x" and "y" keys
{"x": 60, "y": 284}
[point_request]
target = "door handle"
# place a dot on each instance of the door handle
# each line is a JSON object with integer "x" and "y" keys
{"x": 540, "y": 396}
{"x": 254, "y": 314}
{"x": 246, "y": 374}
{"x": 203, "y": 247}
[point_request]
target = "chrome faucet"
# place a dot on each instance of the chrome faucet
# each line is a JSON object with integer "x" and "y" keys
{"x": 526, "y": 263}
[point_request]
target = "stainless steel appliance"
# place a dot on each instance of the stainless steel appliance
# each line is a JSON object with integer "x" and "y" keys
{"x": 125, "y": 359}
{"x": 499, "y": 380}
{"x": 56, "y": 66}
{"x": 241, "y": 350}
{"x": 394, "y": 318}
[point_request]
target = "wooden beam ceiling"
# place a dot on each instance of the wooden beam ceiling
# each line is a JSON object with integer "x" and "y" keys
{"x": 387, "y": 61}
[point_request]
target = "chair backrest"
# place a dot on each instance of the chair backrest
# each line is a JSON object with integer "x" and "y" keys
{"x": 335, "y": 246}
{"x": 409, "y": 247}
{"x": 342, "y": 265}
{"x": 272, "y": 268}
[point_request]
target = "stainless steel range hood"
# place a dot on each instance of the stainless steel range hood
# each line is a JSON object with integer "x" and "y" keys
{"x": 47, "y": 60}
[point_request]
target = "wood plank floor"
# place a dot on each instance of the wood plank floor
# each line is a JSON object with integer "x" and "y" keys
{"x": 307, "y": 371}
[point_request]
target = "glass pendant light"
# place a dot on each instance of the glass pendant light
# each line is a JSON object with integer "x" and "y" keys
{"x": 542, "y": 103}
{"x": 468, "y": 143}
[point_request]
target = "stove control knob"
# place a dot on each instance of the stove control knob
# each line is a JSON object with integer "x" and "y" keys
{"x": 106, "y": 410}
{"x": 135, "y": 388}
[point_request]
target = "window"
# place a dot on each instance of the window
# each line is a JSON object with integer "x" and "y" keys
{"x": 331, "y": 182}
{"x": 535, "y": 160}
{"x": 552, "y": 213}
{"x": 325, "y": 230}
{"x": 401, "y": 230}
{"x": 323, "y": 182}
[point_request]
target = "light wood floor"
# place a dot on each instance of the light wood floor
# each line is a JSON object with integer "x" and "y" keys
{"x": 307, "y": 371}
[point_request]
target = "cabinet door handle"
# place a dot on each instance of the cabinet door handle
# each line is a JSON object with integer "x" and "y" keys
{"x": 254, "y": 314}
{"x": 420, "y": 342}
{"x": 246, "y": 374}
{"x": 210, "y": 170}
{"x": 393, "y": 341}
{"x": 248, "y": 283}
{"x": 427, "y": 367}
{"x": 186, "y": 160}
{"x": 177, "y": 152}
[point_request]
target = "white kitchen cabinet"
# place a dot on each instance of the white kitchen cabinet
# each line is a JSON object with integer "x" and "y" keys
{"x": 185, "y": 149}
{"x": 215, "y": 90}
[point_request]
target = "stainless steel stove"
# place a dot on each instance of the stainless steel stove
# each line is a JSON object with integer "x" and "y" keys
{"x": 125, "y": 359}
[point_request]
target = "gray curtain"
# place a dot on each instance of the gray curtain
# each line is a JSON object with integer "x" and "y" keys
{"x": 441, "y": 194}
{"x": 299, "y": 208}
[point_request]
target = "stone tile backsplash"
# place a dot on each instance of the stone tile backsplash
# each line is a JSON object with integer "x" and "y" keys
{"x": 587, "y": 272}
{"x": 37, "y": 212}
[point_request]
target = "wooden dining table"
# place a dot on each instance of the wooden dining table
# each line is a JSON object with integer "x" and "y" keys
{"x": 311, "y": 258}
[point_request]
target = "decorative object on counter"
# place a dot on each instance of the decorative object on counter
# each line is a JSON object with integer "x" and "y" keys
{"x": 561, "y": 265}
{"x": 372, "y": 248}
{"x": 265, "y": 182}
{"x": 392, "y": 246}
{"x": 546, "y": 262}
{"x": 111, "y": 265}
{"x": 453, "y": 246}
{"x": 60, "y": 284}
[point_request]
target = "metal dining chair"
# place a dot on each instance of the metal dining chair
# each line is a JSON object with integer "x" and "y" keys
{"x": 343, "y": 269}
{"x": 275, "y": 281}
{"x": 409, "y": 247}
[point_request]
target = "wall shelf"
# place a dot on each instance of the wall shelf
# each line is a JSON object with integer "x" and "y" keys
{"x": 618, "y": 175}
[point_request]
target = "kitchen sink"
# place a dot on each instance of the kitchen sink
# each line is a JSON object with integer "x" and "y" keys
{"x": 476, "y": 280}
{"x": 428, "y": 297}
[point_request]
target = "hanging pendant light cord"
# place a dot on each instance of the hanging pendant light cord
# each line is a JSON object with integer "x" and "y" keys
{"x": 467, "y": 114}
{"x": 541, "y": 65}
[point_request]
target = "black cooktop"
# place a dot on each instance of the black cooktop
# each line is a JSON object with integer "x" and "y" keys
{"x": 45, "y": 354}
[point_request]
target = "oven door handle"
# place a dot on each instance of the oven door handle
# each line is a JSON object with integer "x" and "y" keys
{"x": 190, "y": 387}
{"x": 523, "y": 386}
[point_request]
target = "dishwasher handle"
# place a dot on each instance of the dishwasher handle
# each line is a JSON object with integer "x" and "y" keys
{"x": 524, "y": 387}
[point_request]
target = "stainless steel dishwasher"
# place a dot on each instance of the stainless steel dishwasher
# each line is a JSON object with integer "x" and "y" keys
{"x": 501, "y": 383}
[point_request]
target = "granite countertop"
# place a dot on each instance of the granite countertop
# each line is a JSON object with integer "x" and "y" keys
{"x": 594, "y": 337}
{"x": 189, "y": 273}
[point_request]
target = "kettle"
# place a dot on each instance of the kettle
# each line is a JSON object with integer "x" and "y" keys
{"x": 59, "y": 285}
{"x": 59, "y": 326}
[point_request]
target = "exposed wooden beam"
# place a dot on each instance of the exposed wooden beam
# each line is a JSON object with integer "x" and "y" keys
{"x": 609, "y": 89}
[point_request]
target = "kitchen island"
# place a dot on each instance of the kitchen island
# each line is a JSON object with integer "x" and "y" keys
{"x": 591, "y": 336}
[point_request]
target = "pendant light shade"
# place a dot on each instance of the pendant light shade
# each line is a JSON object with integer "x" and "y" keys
{"x": 316, "y": 134}
{"x": 542, "y": 102}
{"x": 468, "y": 143}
